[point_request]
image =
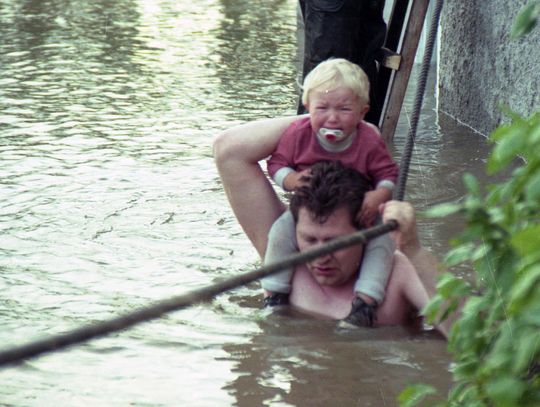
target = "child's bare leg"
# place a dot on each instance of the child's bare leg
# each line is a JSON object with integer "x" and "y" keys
{"x": 281, "y": 244}
{"x": 370, "y": 287}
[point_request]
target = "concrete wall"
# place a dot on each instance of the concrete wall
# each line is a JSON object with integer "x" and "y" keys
{"x": 480, "y": 67}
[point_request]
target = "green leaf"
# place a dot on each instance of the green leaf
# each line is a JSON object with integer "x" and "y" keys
{"x": 432, "y": 308}
{"x": 450, "y": 285}
{"x": 469, "y": 398}
{"x": 467, "y": 368}
{"x": 471, "y": 183}
{"x": 527, "y": 241}
{"x": 534, "y": 136}
{"x": 459, "y": 255}
{"x": 505, "y": 391}
{"x": 457, "y": 389}
{"x": 526, "y": 350}
{"x": 532, "y": 189}
{"x": 413, "y": 395}
{"x": 511, "y": 143}
{"x": 532, "y": 317}
{"x": 442, "y": 210}
{"x": 525, "y": 21}
{"x": 474, "y": 305}
{"x": 480, "y": 252}
{"x": 500, "y": 357}
{"x": 526, "y": 284}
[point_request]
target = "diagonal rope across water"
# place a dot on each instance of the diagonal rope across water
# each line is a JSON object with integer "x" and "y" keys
{"x": 143, "y": 314}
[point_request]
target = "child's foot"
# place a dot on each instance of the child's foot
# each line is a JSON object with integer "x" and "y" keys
{"x": 276, "y": 299}
{"x": 362, "y": 314}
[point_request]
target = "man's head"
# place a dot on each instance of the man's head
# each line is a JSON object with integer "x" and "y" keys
{"x": 331, "y": 186}
{"x": 324, "y": 210}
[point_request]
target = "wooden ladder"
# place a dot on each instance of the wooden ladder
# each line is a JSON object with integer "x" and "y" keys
{"x": 396, "y": 60}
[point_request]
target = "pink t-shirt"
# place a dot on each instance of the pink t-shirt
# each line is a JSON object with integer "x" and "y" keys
{"x": 299, "y": 149}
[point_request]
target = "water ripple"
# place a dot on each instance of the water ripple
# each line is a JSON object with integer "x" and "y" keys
{"x": 111, "y": 200}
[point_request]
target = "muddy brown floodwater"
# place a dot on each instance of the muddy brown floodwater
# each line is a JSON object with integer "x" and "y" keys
{"x": 110, "y": 200}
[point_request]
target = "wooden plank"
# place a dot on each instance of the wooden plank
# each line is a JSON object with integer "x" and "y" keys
{"x": 398, "y": 84}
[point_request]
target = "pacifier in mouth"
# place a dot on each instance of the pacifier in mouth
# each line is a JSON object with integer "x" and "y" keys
{"x": 332, "y": 135}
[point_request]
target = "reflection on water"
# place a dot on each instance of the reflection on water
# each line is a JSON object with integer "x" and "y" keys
{"x": 110, "y": 199}
{"x": 308, "y": 362}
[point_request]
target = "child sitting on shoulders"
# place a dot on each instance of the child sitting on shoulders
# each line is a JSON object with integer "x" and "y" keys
{"x": 336, "y": 95}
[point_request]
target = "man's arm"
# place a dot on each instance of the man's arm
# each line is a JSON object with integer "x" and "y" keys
{"x": 237, "y": 152}
{"x": 406, "y": 238}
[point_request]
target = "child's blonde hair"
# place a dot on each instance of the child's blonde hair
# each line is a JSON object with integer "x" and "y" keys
{"x": 335, "y": 73}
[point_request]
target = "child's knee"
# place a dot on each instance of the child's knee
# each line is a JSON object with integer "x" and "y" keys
{"x": 283, "y": 226}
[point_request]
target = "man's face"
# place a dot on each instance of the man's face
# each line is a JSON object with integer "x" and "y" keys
{"x": 335, "y": 268}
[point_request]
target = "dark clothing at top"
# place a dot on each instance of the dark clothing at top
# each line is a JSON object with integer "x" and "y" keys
{"x": 350, "y": 29}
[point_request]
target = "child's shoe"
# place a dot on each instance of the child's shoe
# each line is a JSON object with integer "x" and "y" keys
{"x": 362, "y": 314}
{"x": 276, "y": 300}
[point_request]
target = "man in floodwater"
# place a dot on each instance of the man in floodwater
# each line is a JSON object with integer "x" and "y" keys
{"x": 237, "y": 152}
{"x": 325, "y": 209}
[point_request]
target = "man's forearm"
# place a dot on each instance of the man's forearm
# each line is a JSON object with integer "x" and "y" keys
{"x": 426, "y": 265}
{"x": 427, "y": 268}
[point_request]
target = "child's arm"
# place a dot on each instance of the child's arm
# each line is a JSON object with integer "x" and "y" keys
{"x": 295, "y": 179}
{"x": 381, "y": 168}
{"x": 383, "y": 172}
{"x": 285, "y": 166}
{"x": 281, "y": 162}
{"x": 370, "y": 207}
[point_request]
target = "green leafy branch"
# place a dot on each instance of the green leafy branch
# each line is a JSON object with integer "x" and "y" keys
{"x": 495, "y": 341}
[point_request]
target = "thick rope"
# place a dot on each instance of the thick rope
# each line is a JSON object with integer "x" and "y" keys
{"x": 143, "y": 314}
{"x": 399, "y": 192}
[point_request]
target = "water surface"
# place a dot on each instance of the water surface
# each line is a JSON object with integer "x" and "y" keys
{"x": 110, "y": 200}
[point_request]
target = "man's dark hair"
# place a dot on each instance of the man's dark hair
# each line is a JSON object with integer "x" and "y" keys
{"x": 330, "y": 187}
